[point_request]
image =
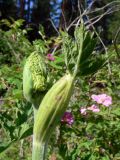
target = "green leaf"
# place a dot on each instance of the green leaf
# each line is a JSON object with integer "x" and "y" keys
{"x": 90, "y": 67}
{"x": 25, "y": 131}
{"x": 79, "y": 35}
{"x": 55, "y": 66}
{"x": 59, "y": 60}
{"x": 88, "y": 50}
{"x": 87, "y": 39}
{"x": 4, "y": 146}
{"x": 21, "y": 118}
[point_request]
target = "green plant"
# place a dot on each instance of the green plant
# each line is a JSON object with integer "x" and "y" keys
{"x": 91, "y": 136}
{"x": 13, "y": 42}
{"x": 34, "y": 79}
{"x": 49, "y": 114}
{"x": 79, "y": 50}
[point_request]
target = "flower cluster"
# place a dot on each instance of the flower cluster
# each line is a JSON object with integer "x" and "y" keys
{"x": 103, "y": 99}
{"x": 67, "y": 118}
{"x": 50, "y": 57}
{"x": 92, "y": 108}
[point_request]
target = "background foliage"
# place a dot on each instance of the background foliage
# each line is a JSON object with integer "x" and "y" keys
{"x": 91, "y": 136}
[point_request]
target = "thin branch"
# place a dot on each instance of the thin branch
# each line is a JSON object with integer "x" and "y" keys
{"x": 79, "y": 9}
{"x": 102, "y": 8}
{"x": 115, "y": 42}
{"x": 98, "y": 19}
{"x": 64, "y": 19}
{"x": 72, "y": 23}
{"x": 54, "y": 26}
{"x": 111, "y": 7}
{"x": 55, "y": 48}
{"x": 106, "y": 13}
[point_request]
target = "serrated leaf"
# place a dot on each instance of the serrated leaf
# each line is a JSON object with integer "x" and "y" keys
{"x": 91, "y": 67}
{"x": 88, "y": 50}
{"x": 79, "y": 35}
{"x": 4, "y": 146}
{"x": 21, "y": 118}
{"x": 25, "y": 131}
{"x": 87, "y": 38}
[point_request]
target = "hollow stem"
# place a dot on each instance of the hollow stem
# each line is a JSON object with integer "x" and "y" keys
{"x": 39, "y": 150}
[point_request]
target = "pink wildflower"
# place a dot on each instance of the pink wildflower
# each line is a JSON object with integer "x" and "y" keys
{"x": 94, "y": 108}
{"x": 83, "y": 111}
{"x": 67, "y": 118}
{"x": 102, "y": 99}
{"x": 50, "y": 57}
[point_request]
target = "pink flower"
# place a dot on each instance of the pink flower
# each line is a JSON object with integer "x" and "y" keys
{"x": 83, "y": 111}
{"x": 50, "y": 57}
{"x": 102, "y": 99}
{"x": 94, "y": 108}
{"x": 67, "y": 118}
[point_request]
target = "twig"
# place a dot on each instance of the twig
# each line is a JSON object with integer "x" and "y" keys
{"x": 88, "y": 11}
{"x": 102, "y": 8}
{"x": 64, "y": 19}
{"x": 99, "y": 17}
{"x": 72, "y": 23}
{"x": 54, "y": 26}
{"x": 115, "y": 42}
{"x": 92, "y": 23}
{"x": 79, "y": 8}
{"x": 55, "y": 48}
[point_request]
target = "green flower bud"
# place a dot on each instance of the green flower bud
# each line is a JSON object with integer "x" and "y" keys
{"x": 34, "y": 78}
{"x": 50, "y": 112}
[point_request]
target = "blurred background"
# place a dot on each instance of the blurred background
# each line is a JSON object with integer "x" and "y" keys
{"x": 61, "y": 13}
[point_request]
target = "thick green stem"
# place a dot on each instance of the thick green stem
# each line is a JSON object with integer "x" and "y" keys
{"x": 39, "y": 150}
{"x": 35, "y": 111}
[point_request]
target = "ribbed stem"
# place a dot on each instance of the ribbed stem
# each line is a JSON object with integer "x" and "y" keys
{"x": 39, "y": 150}
{"x": 35, "y": 111}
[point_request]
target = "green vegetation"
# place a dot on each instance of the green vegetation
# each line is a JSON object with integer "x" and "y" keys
{"x": 90, "y": 135}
